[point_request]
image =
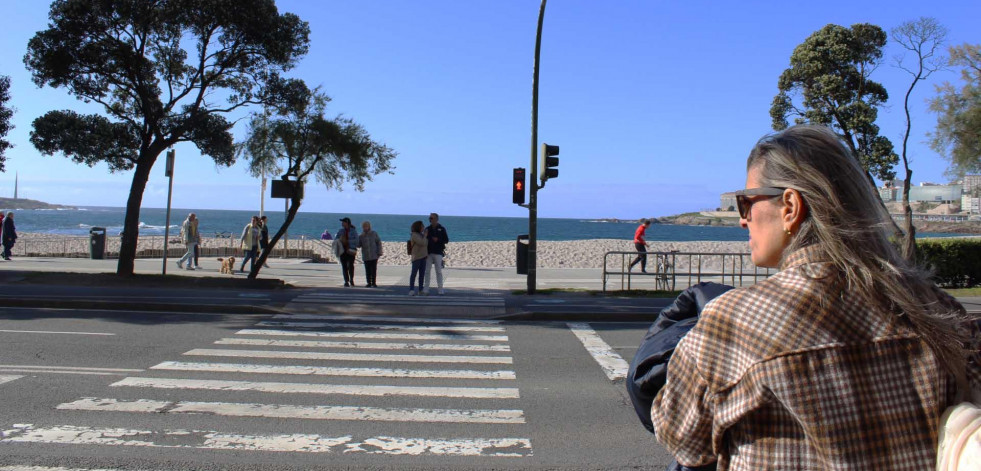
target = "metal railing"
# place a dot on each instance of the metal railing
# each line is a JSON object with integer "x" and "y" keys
{"x": 48, "y": 245}
{"x": 674, "y": 270}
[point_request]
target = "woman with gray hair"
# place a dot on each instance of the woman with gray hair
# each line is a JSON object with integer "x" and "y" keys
{"x": 845, "y": 359}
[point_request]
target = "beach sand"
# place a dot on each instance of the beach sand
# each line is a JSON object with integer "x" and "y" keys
{"x": 486, "y": 254}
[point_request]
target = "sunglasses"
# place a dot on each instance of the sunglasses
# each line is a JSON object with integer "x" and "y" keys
{"x": 744, "y": 202}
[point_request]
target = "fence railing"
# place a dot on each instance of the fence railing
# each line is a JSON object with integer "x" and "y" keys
{"x": 670, "y": 271}
{"x": 45, "y": 245}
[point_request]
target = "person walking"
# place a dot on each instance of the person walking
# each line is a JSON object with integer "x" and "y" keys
{"x": 347, "y": 239}
{"x": 9, "y": 236}
{"x": 263, "y": 235}
{"x": 189, "y": 237}
{"x": 641, "y": 245}
{"x": 197, "y": 246}
{"x": 371, "y": 250}
{"x": 844, "y": 359}
{"x": 250, "y": 243}
{"x": 436, "y": 245}
{"x": 419, "y": 256}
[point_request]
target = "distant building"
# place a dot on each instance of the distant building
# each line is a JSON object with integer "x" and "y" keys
{"x": 727, "y": 202}
{"x": 972, "y": 185}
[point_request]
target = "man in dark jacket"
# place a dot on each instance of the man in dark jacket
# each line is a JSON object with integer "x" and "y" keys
{"x": 9, "y": 235}
{"x": 437, "y": 237}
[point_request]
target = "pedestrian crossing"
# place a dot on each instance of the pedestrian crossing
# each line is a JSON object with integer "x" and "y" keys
{"x": 355, "y": 371}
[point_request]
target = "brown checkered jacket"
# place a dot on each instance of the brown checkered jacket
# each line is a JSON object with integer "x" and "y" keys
{"x": 795, "y": 373}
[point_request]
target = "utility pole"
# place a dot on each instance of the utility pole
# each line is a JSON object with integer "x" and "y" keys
{"x": 533, "y": 187}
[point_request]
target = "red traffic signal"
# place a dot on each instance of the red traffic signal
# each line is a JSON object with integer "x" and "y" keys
{"x": 518, "y": 186}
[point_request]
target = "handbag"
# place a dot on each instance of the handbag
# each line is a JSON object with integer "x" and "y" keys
{"x": 408, "y": 247}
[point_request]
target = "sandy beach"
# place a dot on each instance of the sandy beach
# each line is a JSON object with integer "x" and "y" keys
{"x": 487, "y": 254}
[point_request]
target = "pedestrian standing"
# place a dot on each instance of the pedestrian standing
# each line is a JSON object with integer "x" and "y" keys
{"x": 419, "y": 255}
{"x": 437, "y": 239}
{"x": 9, "y": 235}
{"x": 189, "y": 238}
{"x": 250, "y": 243}
{"x": 371, "y": 250}
{"x": 641, "y": 245}
{"x": 348, "y": 240}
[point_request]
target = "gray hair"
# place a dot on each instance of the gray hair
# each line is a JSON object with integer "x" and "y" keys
{"x": 846, "y": 218}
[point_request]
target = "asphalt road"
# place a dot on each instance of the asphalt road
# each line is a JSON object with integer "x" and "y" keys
{"x": 92, "y": 389}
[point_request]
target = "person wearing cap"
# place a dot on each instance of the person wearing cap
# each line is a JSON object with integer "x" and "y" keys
{"x": 347, "y": 238}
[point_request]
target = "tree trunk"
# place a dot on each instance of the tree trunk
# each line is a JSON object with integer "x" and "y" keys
{"x": 131, "y": 223}
{"x": 909, "y": 239}
{"x": 294, "y": 207}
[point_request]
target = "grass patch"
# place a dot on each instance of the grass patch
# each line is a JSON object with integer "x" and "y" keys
{"x": 956, "y": 292}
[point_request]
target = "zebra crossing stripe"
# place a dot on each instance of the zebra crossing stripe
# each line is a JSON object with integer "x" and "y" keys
{"x": 49, "y": 468}
{"x": 415, "y": 320}
{"x": 345, "y": 325}
{"x": 304, "y": 443}
{"x": 299, "y": 412}
{"x": 8, "y": 378}
{"x": 374, "y": 335}
{"x": 364, "y": 345}
{"x": 612, "y": 363}
{"x": 306, "y": 388}
{"x": 347, "y": 356}
{"x": 332, "y": 371}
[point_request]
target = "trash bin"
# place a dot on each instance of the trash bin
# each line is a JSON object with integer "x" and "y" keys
{"x": 97, "y": 243}
{"x": 522, "y": 256}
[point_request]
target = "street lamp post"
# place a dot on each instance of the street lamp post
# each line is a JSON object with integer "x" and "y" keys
{"x": 533, "y": 186}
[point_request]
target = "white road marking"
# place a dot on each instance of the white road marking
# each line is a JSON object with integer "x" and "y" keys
{"x": 365, "y": 345}
{"x": 374, "y": 335}
{"x": 8, "y": 378}
{"x": 305, "y": 388}
{"x": 54, "y": 332}
{"x": 49, "y": 468}
{"x": 347, "y": 356}
{"x": 68, "y": 370}
{"x": 613, "y": 364}
{"x": 299, "y": 412}
{"x": 417, "y": 320}
{"x": 345, "y": 325}
{"x": 333, "y": 371}
{"x": 305, "y": 443}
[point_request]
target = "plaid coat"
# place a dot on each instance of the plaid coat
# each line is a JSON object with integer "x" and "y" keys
{"x": 796, "y": 373}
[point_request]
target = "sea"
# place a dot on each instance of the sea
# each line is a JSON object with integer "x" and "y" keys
{"x": 216, "y": 222}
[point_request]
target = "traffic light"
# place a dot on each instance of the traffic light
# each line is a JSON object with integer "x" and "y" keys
{"x": 550, "y": 163}
{"x": 518, "y": 186}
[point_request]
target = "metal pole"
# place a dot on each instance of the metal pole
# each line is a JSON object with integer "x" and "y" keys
{"x": 171, "y": 156}
{"x": 533, "y": 197}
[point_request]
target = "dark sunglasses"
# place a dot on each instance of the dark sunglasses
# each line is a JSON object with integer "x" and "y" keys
{"x": 744, "y": 203}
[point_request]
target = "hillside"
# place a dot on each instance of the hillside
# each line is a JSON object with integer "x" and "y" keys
{"x": 730, "y": 218}
{"x": 20, "y": 203}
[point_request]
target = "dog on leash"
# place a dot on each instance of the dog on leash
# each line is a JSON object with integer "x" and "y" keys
{"x": 227, "y": 264}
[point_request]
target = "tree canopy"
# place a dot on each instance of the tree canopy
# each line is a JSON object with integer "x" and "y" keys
{"x": 829, "y": 73}
{"x": 958, "y": 133}
{"x": 158, "y": 69}
{"x": 5, "y": 114}
{"x": 300, "y": 140}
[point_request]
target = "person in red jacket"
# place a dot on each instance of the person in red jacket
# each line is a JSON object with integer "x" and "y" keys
{"x": 641, "y": 245}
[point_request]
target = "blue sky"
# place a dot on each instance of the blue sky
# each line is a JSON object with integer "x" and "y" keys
{"x": 655, "y": 104}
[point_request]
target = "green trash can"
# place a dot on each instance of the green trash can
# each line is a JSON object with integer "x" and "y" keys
{"x": 97, "y": 243}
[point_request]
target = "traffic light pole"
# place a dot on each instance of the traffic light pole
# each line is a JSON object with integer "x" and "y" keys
{"x": 533, "y": 183}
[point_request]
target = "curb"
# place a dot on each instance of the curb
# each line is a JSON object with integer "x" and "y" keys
{"x": 155, "y": 307}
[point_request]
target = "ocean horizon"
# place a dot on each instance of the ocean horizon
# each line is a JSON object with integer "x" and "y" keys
{"x": 153, "y": 221}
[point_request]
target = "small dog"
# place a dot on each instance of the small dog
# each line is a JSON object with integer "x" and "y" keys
{"x": 227, "y": 264}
